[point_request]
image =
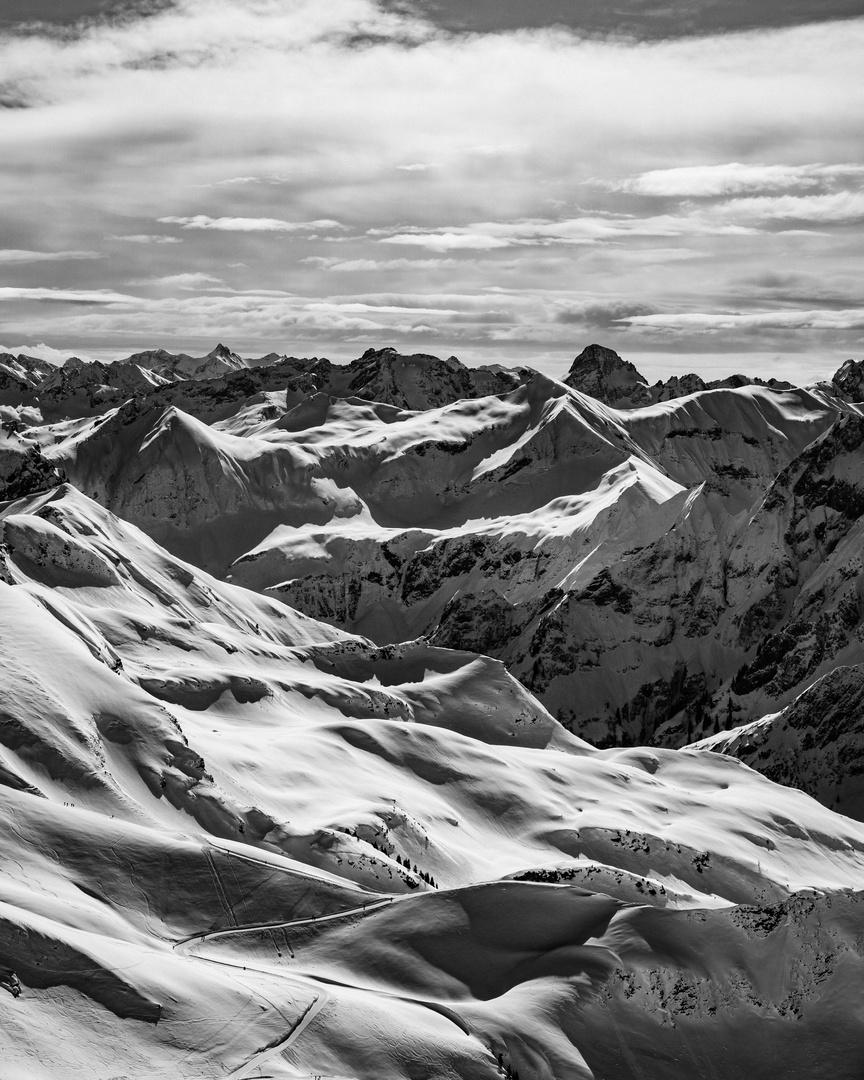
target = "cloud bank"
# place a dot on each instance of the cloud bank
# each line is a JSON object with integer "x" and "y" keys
{"x": 548, "y": 179}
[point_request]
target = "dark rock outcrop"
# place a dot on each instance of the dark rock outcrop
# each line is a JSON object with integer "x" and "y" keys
{"x": 602, "y": 374}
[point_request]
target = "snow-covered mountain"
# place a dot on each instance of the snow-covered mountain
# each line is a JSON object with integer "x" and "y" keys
{"x": 363, "y": 721}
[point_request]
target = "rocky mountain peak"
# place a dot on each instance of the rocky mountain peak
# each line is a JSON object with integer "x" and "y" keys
{"x": 372, "y": 353}
{"x": 849, "y": 380}
{"x": 222, "y": 352}
{"x": 678, "y": 386}
{"x": 19, "y": 375}
{"x": 603, "y": 374}
{"x": 421, "y": 381}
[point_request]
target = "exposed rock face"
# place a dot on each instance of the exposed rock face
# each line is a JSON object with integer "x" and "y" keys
{"x": 171, "y": 366}
{"x": 83, "y": 388}
{"x": 221, "y": 383}
{"x": 815, "y": 744}
{"x": 848, "y": 380}
{"x": 421, "y": 381}
{"x": 796, "y": 575}
{"x": 602, "y": 373}
{"x": 678, "y": 386}
{"x": 26, "y": 471}
{"x": 20, "y": 376}
{"x": 23, "y": 466}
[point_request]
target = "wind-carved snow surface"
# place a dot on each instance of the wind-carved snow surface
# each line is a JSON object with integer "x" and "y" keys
{"x": 302, "y": 672}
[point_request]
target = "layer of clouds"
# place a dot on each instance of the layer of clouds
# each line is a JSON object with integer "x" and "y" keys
{"x": 566, "y": 186}
{"x": 602, "y": 315}
{"x": 185, "y": 282}
{"x": 44, "y": 352}
{"x": 488, "y": 235}
{"x": 147, "y": 238}
{"x": 246, "y": 224}
{"x": 733, "y": 178}
{"x": 63, "y": 296}
{"x": 837, "y": 208}
{"x": 12, "y": 255}
{"x": 851, "y": 319}
{"x": 344, "y": 266}
{"x": 645, "y": 19}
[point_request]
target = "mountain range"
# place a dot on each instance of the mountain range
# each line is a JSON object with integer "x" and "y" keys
{"x": 402, "y": 719}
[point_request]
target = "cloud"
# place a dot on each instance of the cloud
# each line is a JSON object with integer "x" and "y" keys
{"x": 13, "y": 255}
{"x": 65, "y": 296}
{"x": 380, "y": 309}
{"x": 182, "y": 281}
{"x": 646, "y": 19}
{"x": 45, "y": 352}
{"x": 233, "y": 181}
{"x": 487, "y": 235}
{"x": 246, "y": 224}
{"x": 235, "y": 124}
{"x": 193, "y": 34}
{"x": 848, "y": 319}
{"x": 837, "y": 208}
{"x": 344, "y": 266}
{"x": 734, "y": 178}
{"x": 146, "y": 238}
{"x": 449, "y": 240}
{"x": 602, "y": 315}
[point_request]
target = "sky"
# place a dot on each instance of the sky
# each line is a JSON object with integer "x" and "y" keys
{"x": 503, "y": 180}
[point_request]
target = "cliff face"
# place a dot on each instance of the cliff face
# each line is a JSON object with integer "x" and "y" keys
{"x": 815, "y": 744}
{"x": 602, "y": 373}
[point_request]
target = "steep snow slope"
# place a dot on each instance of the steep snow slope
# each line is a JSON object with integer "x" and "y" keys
{"x": 737, "y": 440}
{"x": 239, "y": 839}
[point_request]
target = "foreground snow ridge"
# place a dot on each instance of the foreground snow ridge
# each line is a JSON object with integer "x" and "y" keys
{"x": 404, "y": 720}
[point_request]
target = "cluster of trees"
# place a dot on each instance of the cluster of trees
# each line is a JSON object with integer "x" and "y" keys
{"x": 506, "y": 1070}
{"x": 406, "y": 862}
{"x": 422, "y": 874}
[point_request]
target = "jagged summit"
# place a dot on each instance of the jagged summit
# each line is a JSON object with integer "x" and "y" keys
{"x": 207, "y": 384}
{"x": 849, "y": 380}
{"x": 603, "y": 374}
{"x": 421, "y": 381}
{"x": 20, "y": 376}
{"x": 182, "y": 365}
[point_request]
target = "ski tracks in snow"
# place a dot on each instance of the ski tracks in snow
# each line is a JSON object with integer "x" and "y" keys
{"x": 322, "y": 996}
